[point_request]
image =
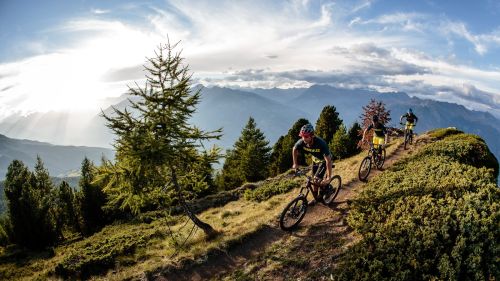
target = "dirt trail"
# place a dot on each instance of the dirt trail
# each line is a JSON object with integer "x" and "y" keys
{"x": 321, "y": 223}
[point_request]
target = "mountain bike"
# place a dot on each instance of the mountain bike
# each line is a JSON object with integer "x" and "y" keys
{"x": 375, "y": 158}
{"x": 408, "y": 136}
{"x": 295, "y": 211}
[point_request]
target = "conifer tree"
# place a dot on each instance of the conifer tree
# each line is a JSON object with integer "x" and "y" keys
{"x": 92, "y": 200}
{"x": 339, "y": 145}
{"x": 67, "y": 205}
{"x": 156, "y": 146}
{"x": 249, "y": 159}
{"x": 31, "y": 205}
{"x": 354, "y": 139}
{"x": 275, "y": 159}
{"x": 328, "y": 123}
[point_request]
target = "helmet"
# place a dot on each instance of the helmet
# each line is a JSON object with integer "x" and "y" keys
{"x": 306, "y": 130}
{"x": 410, "y": 111}
{"x": 375, "y": 118}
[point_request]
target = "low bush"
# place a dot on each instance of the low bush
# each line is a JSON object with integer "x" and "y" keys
{"x": 443, "y": 132}
{"x": 269, "y": 189}
{"x": 463, "y": 148}
{"x": 100, "y": 254}
{"x": 440, "y": 206}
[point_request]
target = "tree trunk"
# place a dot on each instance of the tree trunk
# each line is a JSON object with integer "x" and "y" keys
{"x": 207, "y": 229}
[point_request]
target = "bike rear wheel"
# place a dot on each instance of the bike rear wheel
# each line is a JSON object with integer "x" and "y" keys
{"x": 365, "y": 168}
{"x": 293, "y": 213}
{"x": 381, "y": 159}
{"x": 332, "y": 190}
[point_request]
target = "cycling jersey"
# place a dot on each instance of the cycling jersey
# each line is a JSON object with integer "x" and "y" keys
{"x": 410, "y": 117}
{"x": 318, "y": 150}
{"x": 379, "y": 129}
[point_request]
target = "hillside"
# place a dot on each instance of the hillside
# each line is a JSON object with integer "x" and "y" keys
{"x": 441, "y": 192}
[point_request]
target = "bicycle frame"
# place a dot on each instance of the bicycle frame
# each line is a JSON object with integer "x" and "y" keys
{"x": 372, "y": 152}
{"x": 309, "y": 184}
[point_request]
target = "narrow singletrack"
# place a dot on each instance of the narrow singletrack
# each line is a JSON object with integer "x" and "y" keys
{"x": 320, "y": 221}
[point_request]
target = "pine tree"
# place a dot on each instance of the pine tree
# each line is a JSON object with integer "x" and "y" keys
{"x": 156, "y": 146}
{"x": 31, "y": 205}
{"x": 67, "y": 204}
{"x": 355, "y": 133}
{"x": 249, "y": 159}
{"x": 92, "y": 201}
{"x": 275, "y": 159}
{"x": 339, "y": 145}
{"x": 328, "y": 123}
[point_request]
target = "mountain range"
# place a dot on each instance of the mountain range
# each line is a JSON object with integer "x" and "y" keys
{"x": 274, "y": 110}
{"x": 60, "y": 160}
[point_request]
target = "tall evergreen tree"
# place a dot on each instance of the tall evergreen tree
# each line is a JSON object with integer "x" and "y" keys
{"x": 339, "y": 145}
{"x": 328, "y": 123}
{"x": 67, "y": 204}
{"x": 156, "y": 146}
{"x": 275, "y": 160}
{"x": 354, "y": 133}
{"x": 92, "y": 200}
{"x": 249, "y": 159}
{"x": 31, "y": 205}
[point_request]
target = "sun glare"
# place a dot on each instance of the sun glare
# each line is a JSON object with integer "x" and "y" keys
{"x": 72, "y": 79}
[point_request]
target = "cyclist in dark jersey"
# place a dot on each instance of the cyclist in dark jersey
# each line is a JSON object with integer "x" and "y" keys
{"x": 321, "y": 156}
{"x": 379, "y": 133}
{"x": 411, "y": 120}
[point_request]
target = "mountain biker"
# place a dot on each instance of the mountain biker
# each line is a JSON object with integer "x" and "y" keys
{"x": 321, "y": 156}
{"x": 379, "y": 134}
{"x": 411, "y": 120}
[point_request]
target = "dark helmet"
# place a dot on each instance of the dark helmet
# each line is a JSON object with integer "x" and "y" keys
{"x": 306, "y": 131}
{"x": 375, "y": 118}
{"x": 410, "y": 111}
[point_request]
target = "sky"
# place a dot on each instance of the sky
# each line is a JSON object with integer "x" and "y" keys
{"x": 59, "y": 55}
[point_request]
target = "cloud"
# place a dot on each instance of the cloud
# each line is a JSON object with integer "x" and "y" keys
{"x": 396, "y": 21}
{"x": 283, "y": 44}
{"x": 459, "y": 29}
{"x": 100, "y": 11}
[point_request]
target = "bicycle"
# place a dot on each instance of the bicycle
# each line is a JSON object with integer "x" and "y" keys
{"x": 408, "y": 136}
{"x": 295, "y": 211}
{"x": 375, "y": 157}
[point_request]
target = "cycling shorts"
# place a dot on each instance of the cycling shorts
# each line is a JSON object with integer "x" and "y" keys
{"x": 378, "y": 141}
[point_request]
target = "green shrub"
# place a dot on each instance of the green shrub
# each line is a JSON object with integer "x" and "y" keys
{"x": 444, "y": 132}
{"x": 441, "y": 206}
{"x": 463, "y": 148}
{"x": 5, "y": 230}
{"x": 98, "y": 255}
{"x": 269, "y": 189}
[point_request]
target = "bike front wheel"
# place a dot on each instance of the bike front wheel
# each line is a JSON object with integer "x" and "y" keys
{"x": 293, "y": 213}
{"x": 332, "y": 190}
{"x": 406, "y": 140}
{"x": 365, "y": 168}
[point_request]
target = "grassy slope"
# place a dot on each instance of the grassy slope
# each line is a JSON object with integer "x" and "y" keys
{"x": 132, "y": 248}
